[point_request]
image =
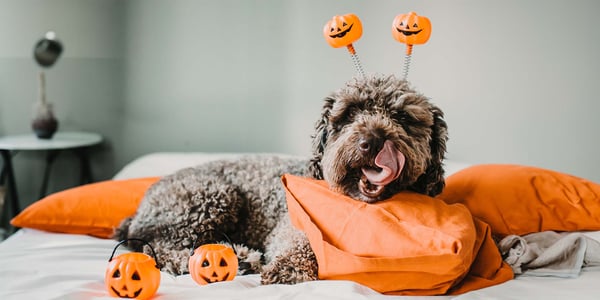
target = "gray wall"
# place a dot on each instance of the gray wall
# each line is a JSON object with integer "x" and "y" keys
{"x": 204, "y": 76}
{"x": 516, "y": 79}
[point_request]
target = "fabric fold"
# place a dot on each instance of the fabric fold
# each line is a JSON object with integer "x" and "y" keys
{"x": 549, "y": 253}
{"x": 410, "y": 244}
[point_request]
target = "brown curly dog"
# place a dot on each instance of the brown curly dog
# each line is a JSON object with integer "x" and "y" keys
{"x": 376, "y": 136}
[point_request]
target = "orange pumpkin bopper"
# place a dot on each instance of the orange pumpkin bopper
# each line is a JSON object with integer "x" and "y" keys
{"x": 342, "y": 31}
{"x": 132, "y": 275}
{"x": 411, "y": 29}
{"x": 213, "y": 263}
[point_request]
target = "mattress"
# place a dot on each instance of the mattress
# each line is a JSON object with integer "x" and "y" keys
{"x": 37, "y": 264}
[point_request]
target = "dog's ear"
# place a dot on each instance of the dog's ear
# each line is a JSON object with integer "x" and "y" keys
{"x": 432, "y": 182}
{"x": 320, "y": 140}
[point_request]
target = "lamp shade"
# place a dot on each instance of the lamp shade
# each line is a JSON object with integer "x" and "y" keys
{"x": 47, "y": 50}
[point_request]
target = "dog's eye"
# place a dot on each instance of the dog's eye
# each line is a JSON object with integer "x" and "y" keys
{"x": 338, "y": 122}
{"x": 404, "y": 119}
{"x": 351, "y": 114}
{"x": 400, "y": 116}
{"x": 336, "y": 128}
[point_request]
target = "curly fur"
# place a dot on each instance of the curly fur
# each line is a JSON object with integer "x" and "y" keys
{"x": 244, "y": 197}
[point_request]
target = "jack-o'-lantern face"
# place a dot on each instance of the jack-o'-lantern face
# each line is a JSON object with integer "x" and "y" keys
{"x": 411, "y": 29}
{"x": 212, "y": 263}
{"x": 343, "y": 30}
{"x": 132, "y": 275}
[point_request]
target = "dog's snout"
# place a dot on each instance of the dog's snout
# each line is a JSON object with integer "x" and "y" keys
{"x": 367, "y": 143}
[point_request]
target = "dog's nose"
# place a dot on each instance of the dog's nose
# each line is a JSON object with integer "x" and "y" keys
{"x": 368, "y": 143}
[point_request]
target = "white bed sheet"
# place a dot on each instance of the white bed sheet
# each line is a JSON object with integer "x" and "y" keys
{"x": 43, "y": 265}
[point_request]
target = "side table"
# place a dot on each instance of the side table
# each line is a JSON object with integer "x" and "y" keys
{"x": 11, "y": 145}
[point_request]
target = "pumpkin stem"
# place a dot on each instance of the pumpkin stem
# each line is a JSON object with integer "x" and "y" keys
{"x": 409, "y": 49}
{"x": 351, "y": 49}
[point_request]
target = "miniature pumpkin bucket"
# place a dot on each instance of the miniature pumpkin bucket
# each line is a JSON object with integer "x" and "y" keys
{"x": 211, "y": 263}
{"x": 132, "y": 275}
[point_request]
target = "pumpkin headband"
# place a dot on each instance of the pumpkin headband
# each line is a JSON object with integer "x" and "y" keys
{"x": 409, "y": 29}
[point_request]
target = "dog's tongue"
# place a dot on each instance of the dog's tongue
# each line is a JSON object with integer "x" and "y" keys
{"x": 390, "y": 160}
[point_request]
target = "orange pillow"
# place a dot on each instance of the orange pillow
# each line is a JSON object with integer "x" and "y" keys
{"x": 516, "y": 199}
{"x": 410, "y": 244}
{"x": 95, "y": 209}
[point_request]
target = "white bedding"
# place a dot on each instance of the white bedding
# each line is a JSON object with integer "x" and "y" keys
{"x": 43, "y": 265}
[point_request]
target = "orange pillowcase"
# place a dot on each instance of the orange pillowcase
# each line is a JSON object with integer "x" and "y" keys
{"x": 95, "y": 209}
{"x": 516, "y": 199}
{"x": 410, "y": 244}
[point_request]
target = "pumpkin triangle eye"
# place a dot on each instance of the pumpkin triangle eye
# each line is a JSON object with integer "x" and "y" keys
{"x": 344, "y": 24}
{"x": 401, "y": 23}
{"x": 117, "y": 274}
{"x": 205, "y": 263}
{"x": 415, "y": 25}
{"x": 135, "y": 276}
{"x": 223, "y": 263}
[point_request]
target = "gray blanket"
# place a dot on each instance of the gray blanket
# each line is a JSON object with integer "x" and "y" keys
{"x": 550, "y": 253}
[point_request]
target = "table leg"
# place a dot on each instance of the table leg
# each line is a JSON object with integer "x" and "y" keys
{"x": 2, "y": 174}
{"x": 11, "y": 187}
{"x": 86, "y": 169}
{"x": 50, "y": 157}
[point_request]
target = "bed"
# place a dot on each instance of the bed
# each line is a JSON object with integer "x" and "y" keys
{"x": 38, "y": 264}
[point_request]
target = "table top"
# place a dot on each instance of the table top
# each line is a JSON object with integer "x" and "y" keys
{"x": 60, "y": 140}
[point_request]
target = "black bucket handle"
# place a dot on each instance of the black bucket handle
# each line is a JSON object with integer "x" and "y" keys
{"x": 134, "y": 239}
{"x": 217, "y": 231}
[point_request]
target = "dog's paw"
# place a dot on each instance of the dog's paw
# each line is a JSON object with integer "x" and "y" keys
{"x": 290, "y": 270}
{"x": 249, "y": 260}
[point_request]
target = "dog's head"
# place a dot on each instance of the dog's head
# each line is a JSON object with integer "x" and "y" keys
{"x": 376, "y": 137}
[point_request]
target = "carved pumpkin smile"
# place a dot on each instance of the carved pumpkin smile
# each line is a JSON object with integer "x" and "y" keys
{"x": 215, "y": 278}
{"x": 135, "y": 294}
{"x": 408, "y": 32}
{"x": 341, "y": 34}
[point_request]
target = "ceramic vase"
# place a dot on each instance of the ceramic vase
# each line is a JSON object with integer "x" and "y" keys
{"x": 44, "y": 123}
